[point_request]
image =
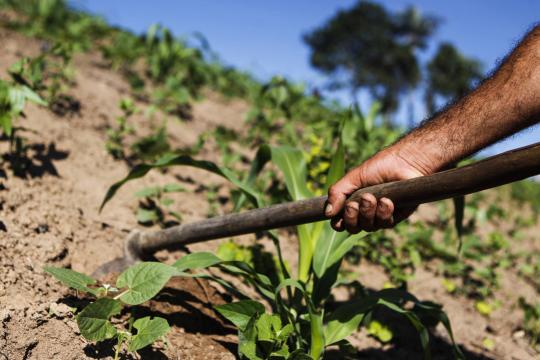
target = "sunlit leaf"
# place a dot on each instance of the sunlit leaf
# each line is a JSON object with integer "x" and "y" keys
{"x": 143, "y": 281}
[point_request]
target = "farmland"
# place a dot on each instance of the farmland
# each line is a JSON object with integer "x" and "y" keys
{"x": 99, "y": 101}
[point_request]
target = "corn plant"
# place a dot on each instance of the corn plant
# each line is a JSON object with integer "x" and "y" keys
{"x": 115, "y": 136}
{"x": 301, "y": 323}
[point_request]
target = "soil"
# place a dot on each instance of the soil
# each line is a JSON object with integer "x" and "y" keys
{"x": 49, "y": 216}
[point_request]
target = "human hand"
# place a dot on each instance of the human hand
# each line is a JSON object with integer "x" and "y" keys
{"x": 391, "y": 164}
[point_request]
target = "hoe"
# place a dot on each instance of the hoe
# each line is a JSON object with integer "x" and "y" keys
{"x": 491, "y": 172}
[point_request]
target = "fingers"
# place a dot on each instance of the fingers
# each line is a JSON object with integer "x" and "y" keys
{"x": 369, "y": 214}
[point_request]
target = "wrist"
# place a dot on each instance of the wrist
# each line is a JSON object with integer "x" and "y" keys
{"x": 426, "y": 158}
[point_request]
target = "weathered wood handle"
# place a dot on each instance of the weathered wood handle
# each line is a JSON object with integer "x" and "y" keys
{"x": 491, "y": 172}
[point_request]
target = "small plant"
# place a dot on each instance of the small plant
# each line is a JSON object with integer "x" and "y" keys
{"x": 154, "y": 206}
{"x": 14, "y": 95}
{"x": 115, "y": 136}
{"x": 134, "y": 286}
{"x": 49, "y": 75}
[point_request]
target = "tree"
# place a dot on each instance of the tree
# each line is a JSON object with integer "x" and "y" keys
{"x": 450, "y": 75}
{"x": 368, "y": 47}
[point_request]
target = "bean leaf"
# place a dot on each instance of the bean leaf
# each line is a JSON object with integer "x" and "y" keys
{"x": 240, "y": 313}
{"x": 71, "y": 278}
{"x": 94, "y": 322}
{"x": 143, "y": 281}
{"x": 148, "y": 331}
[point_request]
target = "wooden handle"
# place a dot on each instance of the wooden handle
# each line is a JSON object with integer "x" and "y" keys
{"x": 491, "y": 172}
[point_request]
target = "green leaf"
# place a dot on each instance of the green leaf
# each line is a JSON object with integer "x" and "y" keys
{"x": 262, "y": 156}
{"x": 148, "y": 331}
{"x": 247, "y": 345}
{"x": 147, "y": 216}
{"x": 332, "y": 247}
{"x": 380, "y": 331}
{"x": 6, "y": 123}
{"x": 240, "y": 313}
{"x": 148, "y": 192}
{"x": 32, "y": 96}
{"x": 267, "y": 327}
{"x": 292, "y": 164}
{"x": 143, "y": 281}
{"x": 175, "y": 159}
{"x": 199, "y": 260}
{"x": 169, "y": 188}
{"x": 346, "y": 319}
{"x": 17, "y": 99}
{"x": 93, "y": 320}
{"x": 72, "y": 278}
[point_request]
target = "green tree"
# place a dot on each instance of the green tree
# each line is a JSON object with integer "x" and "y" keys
{"x": 369, "y": 47}
{"x": 450, "y": 75}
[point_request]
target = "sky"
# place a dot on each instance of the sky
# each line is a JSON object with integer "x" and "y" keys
{"x": 265, "y": 37}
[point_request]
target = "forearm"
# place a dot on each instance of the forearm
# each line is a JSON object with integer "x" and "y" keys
{"x": 503, "y": 104}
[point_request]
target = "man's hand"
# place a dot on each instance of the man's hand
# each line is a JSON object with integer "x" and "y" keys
{"x": 391, "y": 164}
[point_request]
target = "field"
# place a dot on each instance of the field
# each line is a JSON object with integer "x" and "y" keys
{"x": 95, "y": 111}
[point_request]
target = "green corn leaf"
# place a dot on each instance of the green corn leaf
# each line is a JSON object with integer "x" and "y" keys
{"x": 71, "y": 278}
{"x": 292, "y": 164}
{"x": 143, "y": 281}
{"x": 346, "y": 319}
{"x": 241, "y": 312}
{"x": 93, "y": 320}
{"x": 335, "y": 172}
{"x": 148, "y": 331}
{"x": 262, "y": 156}
{"x": 199, "y": 260}
{"x": 413, "y": 318}
{"x": 317, "y": 334}
{"x": 175, "y": 159}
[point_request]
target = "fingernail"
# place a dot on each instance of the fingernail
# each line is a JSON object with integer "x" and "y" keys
{"x": 328, "y": 209}
{"x": 383, "y": 206}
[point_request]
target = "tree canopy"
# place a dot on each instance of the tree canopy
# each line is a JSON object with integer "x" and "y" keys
{"x": 450, "y": 74}
{"x": 369, "y": 47}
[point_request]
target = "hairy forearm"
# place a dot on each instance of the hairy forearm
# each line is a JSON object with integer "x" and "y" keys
{"x": 503, "y": 104}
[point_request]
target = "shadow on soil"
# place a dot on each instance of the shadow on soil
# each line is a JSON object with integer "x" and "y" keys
{"x": 184, "y": 310}
{"x": 34, "y": 160}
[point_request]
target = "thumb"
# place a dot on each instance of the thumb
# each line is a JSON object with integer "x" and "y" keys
{"x": 338, "y": 193}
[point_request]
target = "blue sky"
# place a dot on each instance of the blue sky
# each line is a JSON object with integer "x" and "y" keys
{"x": 265, "y": 37}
